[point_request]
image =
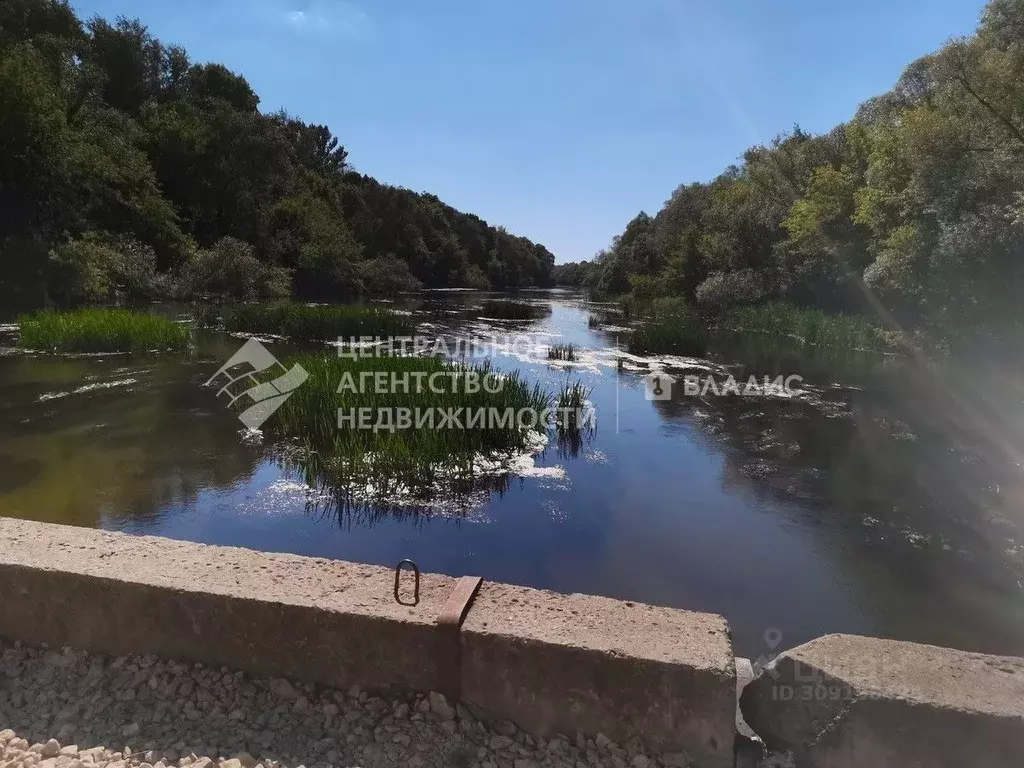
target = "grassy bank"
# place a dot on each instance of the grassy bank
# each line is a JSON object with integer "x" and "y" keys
{"x": 813, "y": 327}
{"x": 504, "y": 309}
{"x": 318, "y": 323}
{"x": 101, "y": 330}
{"x": 344, "y": 456}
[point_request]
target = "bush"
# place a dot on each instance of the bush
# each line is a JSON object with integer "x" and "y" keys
{"x": 230, "y": 270}
{"x": 730, "y": 289}
{"x": 386, "y": 276}
{"x": 79, "y": 271}
{"x": 97, "y": 267}
{"x": 475, "y": 278}
{"x": 101, "y": 330}
{"x": 645, "y": 287}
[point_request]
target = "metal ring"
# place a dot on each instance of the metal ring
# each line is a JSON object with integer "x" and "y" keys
{"x": 416, "y": 588}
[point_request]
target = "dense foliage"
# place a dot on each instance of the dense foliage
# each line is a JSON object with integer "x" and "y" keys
{"x": 912, "y": 212}
{"x": 129, "y": 171}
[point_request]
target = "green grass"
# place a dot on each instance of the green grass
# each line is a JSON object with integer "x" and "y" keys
{"x": 813, "y": 327}
{"x": 569, "y": 405}
{"x": 570, "y": 432}
{"x": 101, "y": 330}
{"x": 672, "y": 328}
{"x": 300, "y": 321}
{"x": 345, "y": 457}
{"x": 566, "y": 352}
{"x": 504, "y": 309}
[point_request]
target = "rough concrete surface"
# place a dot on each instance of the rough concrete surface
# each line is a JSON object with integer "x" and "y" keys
{"x": 626, "y": 669}
{"x": 843, "y": 701}
{"x": 551, "y": 662}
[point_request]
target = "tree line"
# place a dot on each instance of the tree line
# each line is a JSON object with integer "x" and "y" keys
{"x": 913, "y": 210}
{"x": 128, "y": 171}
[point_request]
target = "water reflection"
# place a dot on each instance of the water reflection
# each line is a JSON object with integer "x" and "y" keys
{"x": 94, "y": 441}
{"x": 916, "y": 510}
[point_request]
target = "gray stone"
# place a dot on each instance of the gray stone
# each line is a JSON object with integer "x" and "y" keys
{"x": 439, "y": 706}
{"x": 50, "y": 749}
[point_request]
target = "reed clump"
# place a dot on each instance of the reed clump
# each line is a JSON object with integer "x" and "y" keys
{"x": 101, "y": 330}
{"x": 316, "y": 323}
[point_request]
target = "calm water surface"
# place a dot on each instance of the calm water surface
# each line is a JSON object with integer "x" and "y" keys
{"x": 886, "y": 500}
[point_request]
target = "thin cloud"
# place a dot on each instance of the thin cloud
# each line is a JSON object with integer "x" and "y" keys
{"x": 330, "y": 18}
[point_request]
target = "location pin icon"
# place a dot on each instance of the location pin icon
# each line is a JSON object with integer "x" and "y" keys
{"x": 773, "y": 637}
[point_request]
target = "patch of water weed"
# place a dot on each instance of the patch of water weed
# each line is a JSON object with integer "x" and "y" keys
{"x": 101, "y": 330}
{"x": 317, "y": 323}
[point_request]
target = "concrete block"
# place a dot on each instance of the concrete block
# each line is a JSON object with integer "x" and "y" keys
{"x": 846, "y": 702}
{"x": 550, "y": 662}
{"x": 560, "y": 663}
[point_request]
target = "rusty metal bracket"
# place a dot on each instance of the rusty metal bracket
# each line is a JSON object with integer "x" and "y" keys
{"x": 416, "y": 587}
{"x": 449, "y": 636}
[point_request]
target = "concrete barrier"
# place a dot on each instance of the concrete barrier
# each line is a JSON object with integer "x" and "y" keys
{"x": 849, "y": 702}
{"x": 550, "y": 662}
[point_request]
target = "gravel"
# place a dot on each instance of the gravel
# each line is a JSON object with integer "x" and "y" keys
{"x": 71, "y": 709}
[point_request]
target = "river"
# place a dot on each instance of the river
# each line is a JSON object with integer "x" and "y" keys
{"x": 885, "y": 498}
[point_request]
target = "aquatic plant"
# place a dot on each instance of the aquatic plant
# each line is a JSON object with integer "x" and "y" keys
{"x": 318, "y": 323}
{"x": 813, "y": 327}
{"x": 674, "y": 329}
{"x": 570, "y": 404}
{"x": 101, "y": 330}
{"x": 427, "y": 416}
{"x": 566, "y": 352}
{"x": 573, "y": 423}
{"x": 505, "y": 309}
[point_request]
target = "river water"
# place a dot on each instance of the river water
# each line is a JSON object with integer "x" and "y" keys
{"x": 886, "y": 498}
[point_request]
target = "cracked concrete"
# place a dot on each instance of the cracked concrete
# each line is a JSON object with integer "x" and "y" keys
{"x": 843, "y": 702}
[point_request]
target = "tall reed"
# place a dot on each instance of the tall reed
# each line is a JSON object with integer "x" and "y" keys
{"x": 340, "y": 452}
{"x": 318, "y": 323}
{"x": 101, "y": 330}
{"x": 813, "y": 327}
{"x": 566, "y": 352}
{"x": 505, "y": 309}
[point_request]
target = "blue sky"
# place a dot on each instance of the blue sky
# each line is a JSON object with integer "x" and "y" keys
{"x": 559, "y": 119}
